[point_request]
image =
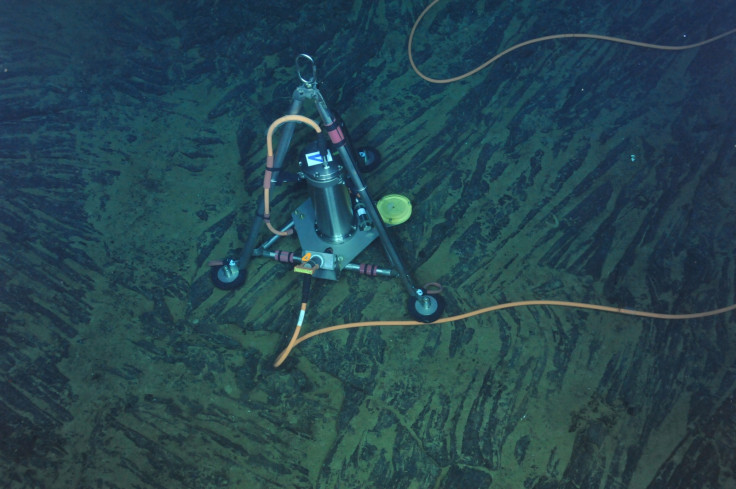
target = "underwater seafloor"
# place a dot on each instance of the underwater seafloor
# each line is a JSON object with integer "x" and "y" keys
{"x": 132, "y": 151}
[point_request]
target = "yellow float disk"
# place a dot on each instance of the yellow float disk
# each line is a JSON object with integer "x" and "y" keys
{"x": 394, "y": 209}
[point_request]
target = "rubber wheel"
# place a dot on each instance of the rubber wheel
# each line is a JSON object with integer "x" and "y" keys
{"x": 239, "y": 280}
{"x": 426, "y": 314}
{"x": 368, "y": 159}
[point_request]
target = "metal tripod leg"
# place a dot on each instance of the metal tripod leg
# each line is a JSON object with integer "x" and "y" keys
{"x": 283, "y": 147}
{"x": 422, "y": 307}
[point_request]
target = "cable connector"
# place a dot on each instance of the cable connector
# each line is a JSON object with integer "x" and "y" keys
{"x": 310, "y": 263}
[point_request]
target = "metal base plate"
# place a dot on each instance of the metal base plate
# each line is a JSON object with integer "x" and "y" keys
{"x": 345, "y": 252}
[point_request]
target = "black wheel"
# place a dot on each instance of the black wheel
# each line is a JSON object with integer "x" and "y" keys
{"x": 426, "y": 309}
{"x": 368, "y": 159}
{"x": 223, "y": 277}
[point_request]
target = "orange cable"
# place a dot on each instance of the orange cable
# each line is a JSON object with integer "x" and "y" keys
{"x": 293, "y": 341}
{"x": 269, "y": 161}
{"x": 296, "y": 339}
{"x": 541, "y": 39}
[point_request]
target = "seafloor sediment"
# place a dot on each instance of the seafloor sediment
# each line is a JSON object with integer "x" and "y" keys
{"x": 132, "y": 149}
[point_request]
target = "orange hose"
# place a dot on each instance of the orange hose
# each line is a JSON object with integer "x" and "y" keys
{"x": 541, "y": 39}
{"x": 296, "y": 339}
{"x": 292, "y": 342}
{"x": 269, "y": 161}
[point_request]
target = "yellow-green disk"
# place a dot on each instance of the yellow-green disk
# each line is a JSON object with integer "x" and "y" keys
{"x": 394, "y": 209}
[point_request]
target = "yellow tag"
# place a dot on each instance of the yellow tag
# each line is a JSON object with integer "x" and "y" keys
{"x": 307, "y": 257}
{"x": 301, "y": 269}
